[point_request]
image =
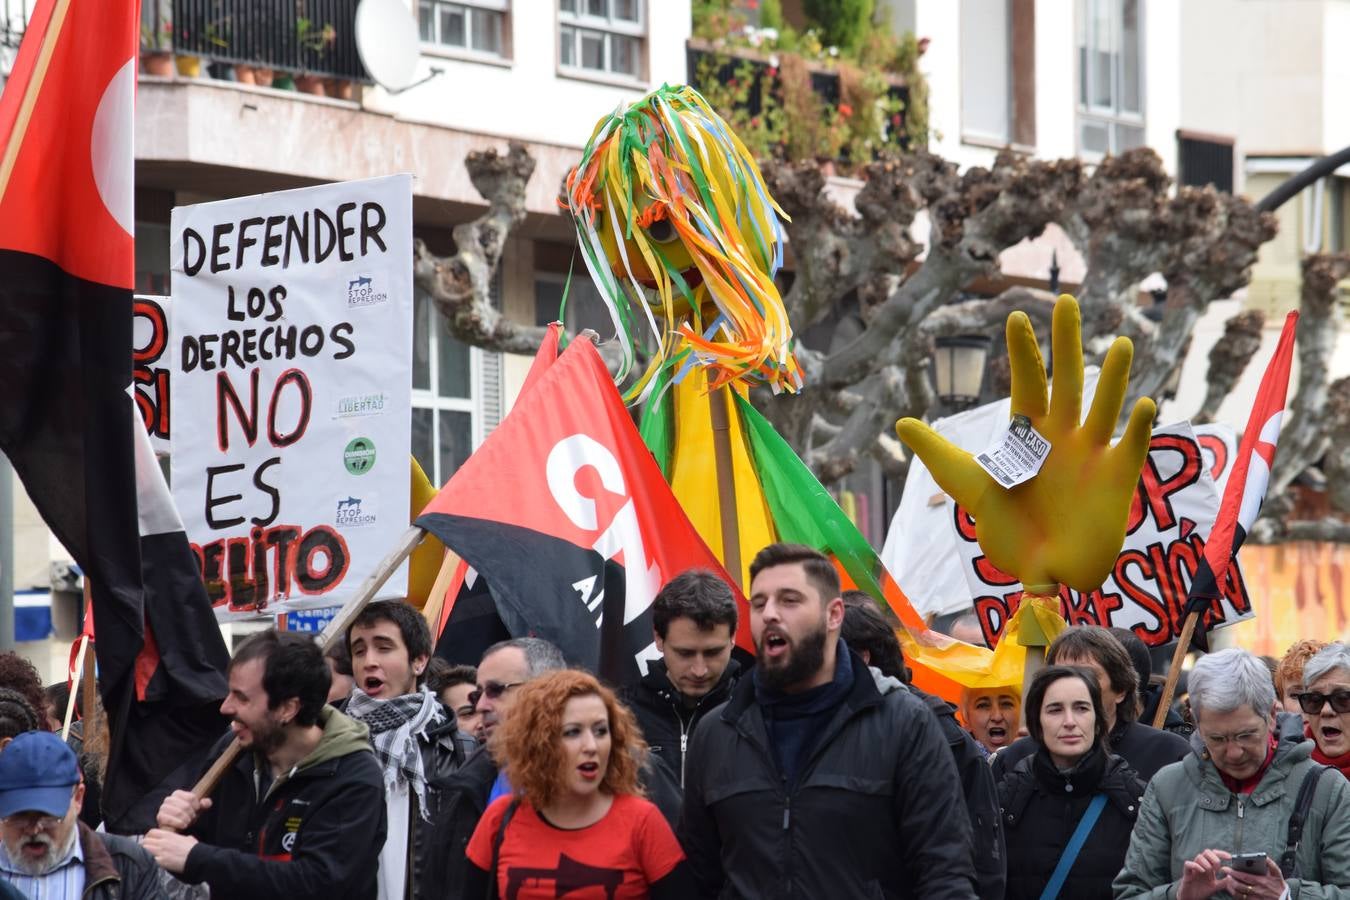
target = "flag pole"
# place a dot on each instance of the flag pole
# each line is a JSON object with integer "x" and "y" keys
{"x": 718, "y": 402}
{"x": 74, "y": 675}
{"x": 1174, "y": 672}
{"x": 332, "y": 632}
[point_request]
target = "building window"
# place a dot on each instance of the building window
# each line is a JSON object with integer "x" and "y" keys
{"x": 476, "y": 26}
{"x": 602, "y": 36}
{"x": 1205, "y": 159}
{"x": 443, "y": 415}
{"x": 1110, "y": 76}
{"x": 998, "y": 71}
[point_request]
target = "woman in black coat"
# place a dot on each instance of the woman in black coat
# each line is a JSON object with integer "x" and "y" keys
{"x": 1046, "y": 795}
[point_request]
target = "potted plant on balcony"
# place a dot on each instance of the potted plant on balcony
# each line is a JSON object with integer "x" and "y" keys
{"x": 316, "y": 39}
{"x": 157, "y": 40}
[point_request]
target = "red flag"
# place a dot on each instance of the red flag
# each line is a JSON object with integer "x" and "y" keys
{"x": 67, "y": 267}
{"x": 566, "y": 516}
{"x": 1246, "y": 488}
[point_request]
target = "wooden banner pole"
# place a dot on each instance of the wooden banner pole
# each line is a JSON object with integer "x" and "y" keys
{"x": 74, "y": 676}
{"x": 718, "y": 402}
{"x": 1173, "y": 673}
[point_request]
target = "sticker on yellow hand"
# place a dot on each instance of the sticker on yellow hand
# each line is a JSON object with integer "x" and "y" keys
{"x": 1017, "y": 454}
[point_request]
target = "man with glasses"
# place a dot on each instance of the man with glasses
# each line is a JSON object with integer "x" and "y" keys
{"x": 1248, "y": 787}
{"x": 504, "y": 667}
{"x": 45, "y": 851}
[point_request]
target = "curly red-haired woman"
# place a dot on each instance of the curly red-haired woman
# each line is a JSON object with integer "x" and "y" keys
{"x": 577, "y": 817}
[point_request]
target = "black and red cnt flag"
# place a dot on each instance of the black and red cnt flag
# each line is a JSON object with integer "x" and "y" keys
{"x": 1247, "y": 483}
{"x": 565, "y": 515}
{"x": 66, "y": 274}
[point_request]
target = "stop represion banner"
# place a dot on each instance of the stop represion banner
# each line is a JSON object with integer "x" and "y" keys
{"x": 1170, "y": 517}
{"x": 292, "y": 390}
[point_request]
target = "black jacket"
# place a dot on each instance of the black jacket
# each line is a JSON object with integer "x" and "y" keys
{"x": 117, "y": 868}
{"x": 463, "y": 799}
{"x": 665, "y": 720}
{"x": 1146, "y": 750}
{"x": 981, "y": 794}
{"x": 869, "y": 817}
{"x": 1041, "y": 809}
{"x": 444, "y": 750}
{"x": 315, "y": 832}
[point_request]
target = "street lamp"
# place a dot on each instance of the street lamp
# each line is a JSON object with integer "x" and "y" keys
{"x": 958, "y": 368}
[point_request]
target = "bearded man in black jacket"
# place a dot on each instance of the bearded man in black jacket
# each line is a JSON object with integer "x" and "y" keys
{"x": 809, "y": 781}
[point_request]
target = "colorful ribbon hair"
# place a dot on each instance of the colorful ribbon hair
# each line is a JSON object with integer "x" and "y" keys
{"x": 667, "y": 198}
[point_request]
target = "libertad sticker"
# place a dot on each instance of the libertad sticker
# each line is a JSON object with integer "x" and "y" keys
{"x": 1017, "y": 454}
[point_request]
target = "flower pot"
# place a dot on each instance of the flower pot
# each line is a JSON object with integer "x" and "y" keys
{"x": 244, "y": 75}
{"x": 309, "y": 84}
{"x": 284, "y": 82}
{"x": 157, "y": 62}
{"x": 263, "y": 77}
{"x": 189, "y": 66}
{"x": 338, "y": 88}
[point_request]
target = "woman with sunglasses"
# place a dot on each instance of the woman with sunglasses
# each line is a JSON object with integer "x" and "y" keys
{"x": 1071, "y": 787}
{"x": 1325, "y": 701}
{"x": 576, "y": 816}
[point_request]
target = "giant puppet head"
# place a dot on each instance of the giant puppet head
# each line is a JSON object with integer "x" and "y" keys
{"x": 676, "y": 224}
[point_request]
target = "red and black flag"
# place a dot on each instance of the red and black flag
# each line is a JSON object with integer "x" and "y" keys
{"x": 66, "y": 273}
{"x": 1246, "y": 487}
{"x": 565, "y": 515}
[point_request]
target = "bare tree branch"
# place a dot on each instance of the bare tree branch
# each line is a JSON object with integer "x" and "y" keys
{"x": 1228, "y": 359}
{"x": 1303, "y": 438}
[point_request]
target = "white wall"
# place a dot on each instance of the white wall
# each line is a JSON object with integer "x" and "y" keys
{"x": 1162, "y": 78}
{"x": 526, "y": 97}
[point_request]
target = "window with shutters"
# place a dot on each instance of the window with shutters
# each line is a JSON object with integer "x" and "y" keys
{"x": 605, "y": 38}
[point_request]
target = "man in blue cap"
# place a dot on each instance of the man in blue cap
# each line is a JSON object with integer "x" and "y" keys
{"x": 45, "y": 851}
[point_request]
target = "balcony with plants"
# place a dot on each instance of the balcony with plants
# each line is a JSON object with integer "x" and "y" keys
{"x": 831, "y": 86}
{"x": 299, "y": 45}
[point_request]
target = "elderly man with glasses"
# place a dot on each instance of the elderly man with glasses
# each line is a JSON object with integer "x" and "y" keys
{"x": 45, "y": 850}
{"x": 1248, "y": 814}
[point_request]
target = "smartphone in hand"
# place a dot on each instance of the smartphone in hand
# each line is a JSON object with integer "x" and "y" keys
{"x": 1249, "y": 863}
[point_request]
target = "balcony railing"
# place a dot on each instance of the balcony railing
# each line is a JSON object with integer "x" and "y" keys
{"x": 313, "y": 37}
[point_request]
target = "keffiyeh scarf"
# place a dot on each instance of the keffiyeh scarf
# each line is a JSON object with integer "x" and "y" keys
{"x": 395, "y": 725}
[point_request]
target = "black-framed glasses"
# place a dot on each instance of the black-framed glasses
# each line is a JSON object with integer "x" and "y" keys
{"x": 1311, "y": 702}
{"x": 492, "y": 690}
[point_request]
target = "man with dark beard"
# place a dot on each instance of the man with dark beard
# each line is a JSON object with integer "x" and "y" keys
{"x": 46, "y": 851}
{"x": 301, "y": 812}
{"x": 809, "y": 782}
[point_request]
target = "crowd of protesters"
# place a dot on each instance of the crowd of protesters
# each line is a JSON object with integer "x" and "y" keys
{"x": 375, "y": 770}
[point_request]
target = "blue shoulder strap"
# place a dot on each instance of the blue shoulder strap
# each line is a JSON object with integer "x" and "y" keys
{"x": 1071, "y": 850}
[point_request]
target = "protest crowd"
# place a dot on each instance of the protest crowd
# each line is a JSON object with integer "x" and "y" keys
{"x": 623, "y": 660}
{"x": 814, "y": 771}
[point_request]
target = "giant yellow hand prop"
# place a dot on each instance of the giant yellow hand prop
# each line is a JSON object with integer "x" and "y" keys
{"x": 1067, "y": 524}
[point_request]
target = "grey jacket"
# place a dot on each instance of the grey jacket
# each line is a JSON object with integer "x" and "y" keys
{"x": 1187, "y": 808}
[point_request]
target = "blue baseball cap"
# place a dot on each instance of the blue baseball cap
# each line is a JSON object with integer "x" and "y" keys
{"x": 38, "y": 773}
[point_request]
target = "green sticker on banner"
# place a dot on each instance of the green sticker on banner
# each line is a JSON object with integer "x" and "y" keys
{"x": 359, "y": 457}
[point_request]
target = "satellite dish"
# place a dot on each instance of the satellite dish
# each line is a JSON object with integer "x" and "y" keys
{"x": 387, "y": 41}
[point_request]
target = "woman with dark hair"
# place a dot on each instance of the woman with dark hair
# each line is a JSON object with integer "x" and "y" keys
{"x": 1067, "y": 809}
{"x": 576, "y": 815}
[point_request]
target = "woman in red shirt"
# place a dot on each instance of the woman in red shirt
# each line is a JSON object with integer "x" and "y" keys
{"x": 576, "y": 822}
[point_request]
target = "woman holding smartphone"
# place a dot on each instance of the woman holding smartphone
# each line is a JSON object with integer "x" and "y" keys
{"x": 1068, "y": 808}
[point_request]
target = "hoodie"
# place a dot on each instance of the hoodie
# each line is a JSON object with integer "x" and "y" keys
{"x": 313, "y": 832}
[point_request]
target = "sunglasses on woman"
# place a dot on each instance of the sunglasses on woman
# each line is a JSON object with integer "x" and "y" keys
{"x": 1311, "y": 702}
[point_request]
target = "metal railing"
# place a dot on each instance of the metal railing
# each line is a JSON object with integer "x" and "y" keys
{"x": 315, "y": 37}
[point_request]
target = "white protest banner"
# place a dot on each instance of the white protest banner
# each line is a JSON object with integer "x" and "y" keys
{"x": 151, "y": 365}
{"x": 292, "y": 390}
{"x": 1171, "y": 515}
